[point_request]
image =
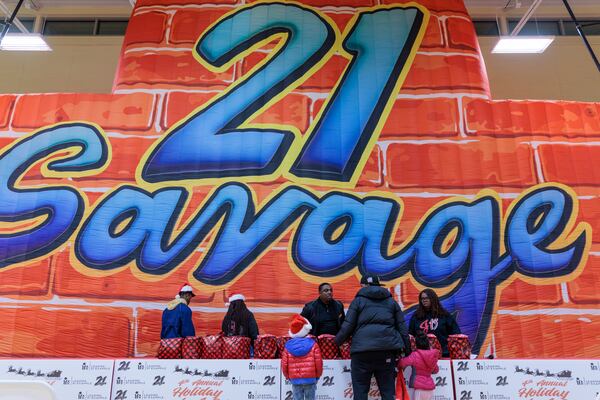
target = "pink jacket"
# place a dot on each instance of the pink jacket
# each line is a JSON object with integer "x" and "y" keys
{"x": 424, "y": 363}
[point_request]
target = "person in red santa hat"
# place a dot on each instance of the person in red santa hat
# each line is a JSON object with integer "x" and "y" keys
{"x": 177, "y": 317}
{"x": 239, "y": 321}
{"x": 301, "y": 361}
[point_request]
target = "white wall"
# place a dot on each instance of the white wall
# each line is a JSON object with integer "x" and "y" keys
{"x": 76, "y": 64}
{"x": 564, "y": 72}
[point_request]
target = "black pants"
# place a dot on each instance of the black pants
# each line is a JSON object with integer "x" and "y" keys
{"x": 382, "y": 364}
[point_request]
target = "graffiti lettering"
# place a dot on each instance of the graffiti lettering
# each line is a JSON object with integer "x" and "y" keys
{"x": 336, "y": 147}
{"x": 464, "y": 247}
{"x": 55, "y": 211}
{"x": 305, "y": 39}
{"x": 458, "y": 243}
{"x": 338, "y": 142}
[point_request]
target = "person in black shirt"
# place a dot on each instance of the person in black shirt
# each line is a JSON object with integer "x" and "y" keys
{"x": 325, "y": 314}
{"x": 432, "y": 317}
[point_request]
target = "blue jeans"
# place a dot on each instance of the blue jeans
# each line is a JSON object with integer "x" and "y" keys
{"x": 304, "y": 392}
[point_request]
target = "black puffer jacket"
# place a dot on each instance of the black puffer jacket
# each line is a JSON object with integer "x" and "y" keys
{"x": 375, "y": 322}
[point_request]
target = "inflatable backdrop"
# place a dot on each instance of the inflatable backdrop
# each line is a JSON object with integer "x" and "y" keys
{"x": 265, "y": 147}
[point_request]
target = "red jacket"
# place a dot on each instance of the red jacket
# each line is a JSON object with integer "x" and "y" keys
{"x": 301, "y": 361}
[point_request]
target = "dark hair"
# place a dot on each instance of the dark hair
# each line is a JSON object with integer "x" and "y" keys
{"x": 422, "y": 341}
{"x": 436, "y": 310}
{"x": 324, "y": 284}
{"x": 237, "y": 319}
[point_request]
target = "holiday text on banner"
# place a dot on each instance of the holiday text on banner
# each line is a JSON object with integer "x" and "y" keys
{"x": 527, "y": 379}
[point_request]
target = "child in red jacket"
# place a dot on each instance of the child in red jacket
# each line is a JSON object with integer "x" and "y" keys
{"x": 301, "y": 361}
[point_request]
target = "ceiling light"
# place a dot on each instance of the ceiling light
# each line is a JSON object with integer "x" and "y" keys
{"x": 523, "y": 44}
{"x": 24, "y": 42}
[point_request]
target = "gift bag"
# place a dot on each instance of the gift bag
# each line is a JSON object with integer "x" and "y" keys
{"x": 191, "y": 347}
{"x": 434, "y": 343}
{"x": 281, "y": 341}
{"x": 265, "y": 347}
{"x": 401, "y": 389}
{"x": 413, "y": 343}
{"x": 459, "y": 347}
{"x": 329, "y": 350}
{"x": 236, "y": 347}
{"x": 212, "y": 347}
{"x": 345, "y": 349}
{"x": 170, "y": 348}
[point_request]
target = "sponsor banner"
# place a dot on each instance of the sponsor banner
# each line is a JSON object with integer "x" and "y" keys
{"x": 336, "y": 382}
{"x": 526, "y": 379}
{"x": 196, "y": 379}
{"x": 70, "y": 379}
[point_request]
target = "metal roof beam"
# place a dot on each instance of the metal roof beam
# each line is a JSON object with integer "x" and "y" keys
{"x": 5, "y": 10}
{"x": 534, "y": 6}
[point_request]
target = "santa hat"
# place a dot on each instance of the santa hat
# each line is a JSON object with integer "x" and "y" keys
{"x": 186, "y": 288}
{"x": 234, "y": 297}
{"x": 299, "y": 326}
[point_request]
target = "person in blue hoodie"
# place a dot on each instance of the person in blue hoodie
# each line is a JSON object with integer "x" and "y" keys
{"x": 301, "y": 361}
{"x": 177, "y": 317}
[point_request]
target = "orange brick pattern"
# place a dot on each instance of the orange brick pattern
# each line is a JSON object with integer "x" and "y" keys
{"x": 188, "y": 25}
{"x": 123, "y": 112}
{"x": 536, "y": 118}
{"x": 547, "y": 336}
{"x": 576, "y": 171}
{"x": 51, "y": 332}
{"x": 584, "y": 290}
{"x": 444, "y": 137}
{"x": 482, "y": 164}
{"x": 6, "y": 103}
{"x": 32, "y": 279}
{"x": 175, "y": 29}
{"x": 137, "y": 28}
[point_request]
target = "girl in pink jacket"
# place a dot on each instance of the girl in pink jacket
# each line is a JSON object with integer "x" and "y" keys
{"x": 424, "y": 363}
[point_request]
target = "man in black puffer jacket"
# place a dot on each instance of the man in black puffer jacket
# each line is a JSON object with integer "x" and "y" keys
{"x": 376, "y": 324}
